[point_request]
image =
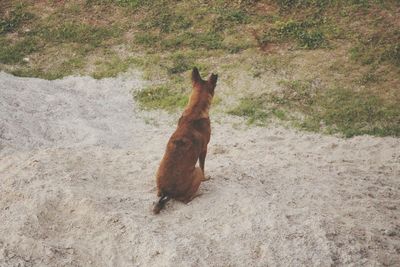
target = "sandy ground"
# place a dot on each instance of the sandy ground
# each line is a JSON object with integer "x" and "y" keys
{"x": 77, "y": 165}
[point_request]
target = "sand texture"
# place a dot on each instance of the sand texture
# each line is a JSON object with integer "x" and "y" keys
{"x": 77, "y": 167}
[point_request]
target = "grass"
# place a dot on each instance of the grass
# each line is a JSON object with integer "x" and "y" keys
{"x": 180, "y": 63}
{"x": 376, "y": 49}
{"x": 255, "y": 46}
{"x": 334, "y": 110}
{"x": 354, "y": 113}
{"x": 15, "y": 18}
{"x": 66, "y": 67}
{"x": 81, "y": 33}
{"x": 252, "y": 109}
{"x": 307, "y": 33}
{"x": 14, "y": 52}
{"x": 39, "y": 73}
{"x": 113, "y": 66}
{"x": 161, "y": 96}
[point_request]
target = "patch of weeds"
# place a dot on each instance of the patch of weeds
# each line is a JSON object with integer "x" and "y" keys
{"x": 296, "y": 94}
{"x": 392, "y": 54}
{"x": 134, "y": 4}
{"x": 79, "y": 33}
{"x": 358, "y": 53}
{"x": 161, "y": 96}
{"x": 368, "y": 78}
{"x": 378, "y": 48}
{"x": 307, "y": 33}
{"x": 11, "y": 53}
{"x": 67, "y": 67}
{"x": 236, "y": 48}
{"x": 251, "y": 108}
{"x": 280, "y": 114}
{"x": 174, "y": 42}
{"x": 338, "y": 110}
{"x": 312, "y": 39}
{"x": 333, "y": 110}
{"x": 289, "y": 4}
{"x": 180, "y": 63}
{"x": 113, "y": 66}
{"x": 272, "y": 63}
{"x": 15, "y": 18}
{"x": 354, "y": 113}
{"x": 147, "y": 39}
{"x": 233, "y": 45}
{"x": 207, "y": 40}
{"x": 227, "y": 18}
{"x": 321, "y": 4}
{"x": 39, "y": 73}
{"x": 165, "y": 20}
{"x": 235, "y": 16}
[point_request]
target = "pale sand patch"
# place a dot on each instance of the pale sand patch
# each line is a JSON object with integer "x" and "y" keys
{"x": 77, "y": 165}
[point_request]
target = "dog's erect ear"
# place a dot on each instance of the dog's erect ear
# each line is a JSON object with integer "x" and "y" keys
{"x": 196, "y": 78}
{"x": 213, "y": 79}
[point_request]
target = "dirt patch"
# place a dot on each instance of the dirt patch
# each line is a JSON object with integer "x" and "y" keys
{"x": 77, "y": 163}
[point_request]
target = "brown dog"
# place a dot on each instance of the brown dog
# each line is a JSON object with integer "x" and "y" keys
{"x": 178, "y": 177}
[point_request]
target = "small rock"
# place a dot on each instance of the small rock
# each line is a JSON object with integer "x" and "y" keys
{"x": 390, "y": 232}
{"x": 25, "y": 59}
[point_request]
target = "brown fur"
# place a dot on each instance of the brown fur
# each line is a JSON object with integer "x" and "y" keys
{"x": 178, "y": 177}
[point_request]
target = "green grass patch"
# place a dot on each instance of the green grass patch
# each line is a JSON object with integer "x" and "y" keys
{"x": 392, "y": 53}
{"x": 335, "y": 110}
{"x": 321, "y": 4}
{"x": 296, "y": 95}
{"x": 14, "y": 52}
{"x": 15, "y": 18}
{"x": 338, "y": 110}
{"x": 165, "y": 20}
{"x": 181, "y": 62}
{"x": 378, "y": 48}
{"x": 67, "y": 67}
{"x": 147, "y": 39}
{"x": 289, "y": 4}
{"x": 161, "y": 97}
{"x": 207, "y": 41}
{"x": 253, "y": 109}
{"x": 113, "y": 66}
{"x": 39, "y": 73}
{"x": 81, "y": 33}
{"x": 308, "y": 33}
{"x": 369, "y": 77}
{"x": 123, "y": 3}
{"x": 354, "y": 113}
{"x": 233, "y": 16}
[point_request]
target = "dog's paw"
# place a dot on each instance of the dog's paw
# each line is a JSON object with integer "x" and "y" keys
{"x": 206, "y": 178}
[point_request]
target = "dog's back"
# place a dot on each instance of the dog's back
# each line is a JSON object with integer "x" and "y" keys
{"x": 179, "y": 161}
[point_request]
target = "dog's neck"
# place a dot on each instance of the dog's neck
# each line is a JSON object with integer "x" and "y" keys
{"x": 198, "y": 107}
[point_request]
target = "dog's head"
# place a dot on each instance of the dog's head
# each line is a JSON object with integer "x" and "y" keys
{"x": 204, "y": 86}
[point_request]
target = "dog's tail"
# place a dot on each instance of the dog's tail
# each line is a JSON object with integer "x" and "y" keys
{"x": 161, "y": 203}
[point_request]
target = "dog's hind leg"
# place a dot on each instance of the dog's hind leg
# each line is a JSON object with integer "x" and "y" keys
{"x": 202, "y": 159}
{"x": 198, "y": 177}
